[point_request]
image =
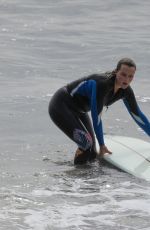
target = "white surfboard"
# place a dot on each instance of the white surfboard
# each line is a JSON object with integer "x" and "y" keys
{"x": 129, "y": 154}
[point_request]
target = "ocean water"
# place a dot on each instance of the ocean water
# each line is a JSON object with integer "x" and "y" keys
{"x": 44, "y": 45}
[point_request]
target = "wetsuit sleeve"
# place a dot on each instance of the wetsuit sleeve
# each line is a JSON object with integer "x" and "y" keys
{"x": 136, "y": 113}
{"x": 96, "y": 115}
{"x": 88, "y": 88}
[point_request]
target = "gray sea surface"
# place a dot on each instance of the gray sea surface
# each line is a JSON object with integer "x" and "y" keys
{"x": 43, "y": 45}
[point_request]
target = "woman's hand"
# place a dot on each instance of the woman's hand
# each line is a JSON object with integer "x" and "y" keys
{"x": 103, "y": 150}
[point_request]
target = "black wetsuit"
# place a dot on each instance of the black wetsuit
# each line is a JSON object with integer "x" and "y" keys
{"x": 70, "y": 105}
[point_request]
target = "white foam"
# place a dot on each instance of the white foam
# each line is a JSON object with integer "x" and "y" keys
{"x": 143, "y": 99}
{"x": 49, "y": 95}
{"x": 135, "y": 204}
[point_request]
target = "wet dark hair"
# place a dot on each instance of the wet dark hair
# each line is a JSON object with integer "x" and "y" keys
{"x": 125, "y": 61}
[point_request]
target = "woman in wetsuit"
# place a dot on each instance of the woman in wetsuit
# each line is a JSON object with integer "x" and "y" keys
{"x": 70, "y": 105}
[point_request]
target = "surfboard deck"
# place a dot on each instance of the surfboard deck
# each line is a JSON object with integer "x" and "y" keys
{"x": 129, "y": 154}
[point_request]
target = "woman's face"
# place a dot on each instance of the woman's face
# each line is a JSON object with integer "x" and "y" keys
{"x": 124, "y": 76}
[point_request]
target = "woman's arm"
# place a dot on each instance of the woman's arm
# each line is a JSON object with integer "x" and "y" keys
{"x": 96, "y": 115}
{"x": 88, "y": 89}
{"x": 97, "y": 122}
{"x": 134, "y": 110}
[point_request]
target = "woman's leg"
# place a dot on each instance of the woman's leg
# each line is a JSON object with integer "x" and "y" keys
{"x": 68, "y": 120}
{"x": 86, "y": 121}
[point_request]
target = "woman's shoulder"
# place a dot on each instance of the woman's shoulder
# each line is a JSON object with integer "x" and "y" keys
{"x": 100, "y": 78}
{"x": 129, "y": 93}
{"x": 129, "y": 90}
{"x": 96, "y": 76}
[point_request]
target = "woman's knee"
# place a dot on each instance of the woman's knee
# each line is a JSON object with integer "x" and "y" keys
{"x": 83, "y": 139}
